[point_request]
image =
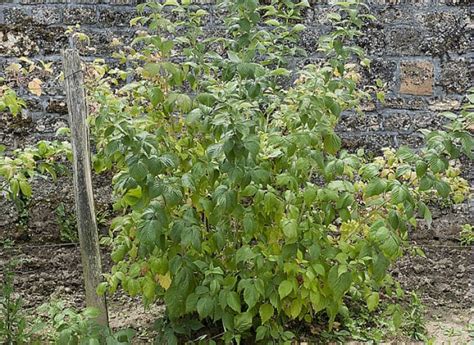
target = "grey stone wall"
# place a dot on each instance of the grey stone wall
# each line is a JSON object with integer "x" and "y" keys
{"x": 421, "y": 49}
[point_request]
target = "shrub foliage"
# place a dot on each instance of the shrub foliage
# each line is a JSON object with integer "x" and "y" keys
{"x": 238, "y": 207}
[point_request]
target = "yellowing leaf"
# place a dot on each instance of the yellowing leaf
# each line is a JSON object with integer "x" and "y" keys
{"x": 13, "y": 68}
{"x": 35, "y": 87}
{"x": 164, "y": 280}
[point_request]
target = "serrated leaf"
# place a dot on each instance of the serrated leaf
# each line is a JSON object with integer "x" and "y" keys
{"x": 233, "y": 301}
{"x": 295, "y": 308}
{"x": 266, "y": 312}
{"x": 25, "y": 188}
{"x": 149, "y": 289}
{"x": 164, "y": 280}
{"x": 138, "y": 171}
{"x": 332, "y": 143}
{"x": 152, "y": 69}
{"x": 205, "y": 306}
{"x": 339, "y": 284}
{"x": 375, "y": 187}
{"x": 251, "y": 296}
{"x": 420, "y": 168}
{"x": 298, "y": 28}
{"x": 285, "y": 288}
{"x": 425, "y": 183}
{"x": 290, "y": 229}
{"x": 243, "y": 322}
{"x": 373, "y": 301}
{"x": 442, "y": 188}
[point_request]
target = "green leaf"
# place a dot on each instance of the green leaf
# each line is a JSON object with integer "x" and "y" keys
{"x": 290, "y": 229}
{"x": 442, "y": 188}
{"x": 251, "y": 296}
{"x": 426, "y": 183}
{"x": 138, "y": 171}
{"x": 280, "y": 72}
{"x": 150, "y": 233}
{"x": 285, "y": 288}
{"x": 101, "y": 288}
{"x": 233, "y": 301}
{"x": 400, "y": 194}
{"x": 266, "y": 312}
{"x": 332, "y": 143}
{"x": 339, "y": 284}
{"x": 379, "y": 267}
{"x": 421, "y": 168}
{"x": 373, "y": 301}
{"x": 184, "y": 102}
{"x": 425, "y": 213}
{"x": 152, "y": 69}
{"x": 261, "y": 333}
{"x": 191, "y": 302}
{"x": 205, "y": 306}
{"x": 25, "y": 188}
{"x": 149, "y": 289}
{"x": 298, "y": 28}
{"x": 243, "y": 322}
{"x": 295, "y": 308}
{"x": 233, "y": 56}
{"x": 319, "y": 269}
{"x": 246, "y": 70}
{"x": 156, "y": 96}
{"x": 375, "y": 187}
{"x": 272, "y": 22}
{"x": 318, "y": 303}
{"x": 207, "y": 99}
{"x": 194, "y": 116}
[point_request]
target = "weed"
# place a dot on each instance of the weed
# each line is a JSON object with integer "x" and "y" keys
{"x": 414, "y": 322}
{"x": 68, "y": 326}
{"x": 467, "y": 235}
{"x": 7, "y": 243}
{"x": 67, "y": 224}
{"x": 452, "y": 332}
{"x": 14, "y": 327}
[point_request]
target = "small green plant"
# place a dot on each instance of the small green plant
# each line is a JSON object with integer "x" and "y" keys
{"x": 7, "y": 243}
{"x": 413, "y": 322}
{"x": 14, "y": 326}
{"x": 470, "y": 330}
{"x": 12, "y": 320}
{"x": 66, "y": 221}
{"x": 467, "y": 235}
{"x": 10, "y": 101}
{"x": 19, "y": 167}
{"x": 452, "y": 332}
{"x": 66, "y": 326}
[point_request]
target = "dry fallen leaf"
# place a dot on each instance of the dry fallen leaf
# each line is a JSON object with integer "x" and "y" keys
{"x": 35, "y": 87}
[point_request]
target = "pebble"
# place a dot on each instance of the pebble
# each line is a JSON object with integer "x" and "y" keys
{"x": 418, "y": 269}
{"x": 444, "y": 287}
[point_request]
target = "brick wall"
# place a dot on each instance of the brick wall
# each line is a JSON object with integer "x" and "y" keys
{"x": 421, "y": 49}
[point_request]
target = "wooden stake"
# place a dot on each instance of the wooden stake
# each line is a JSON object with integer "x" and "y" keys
{"x": 86, "y": 222}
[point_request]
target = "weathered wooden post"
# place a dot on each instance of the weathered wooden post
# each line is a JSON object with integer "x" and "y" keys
{"x": 86, "y": 222}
